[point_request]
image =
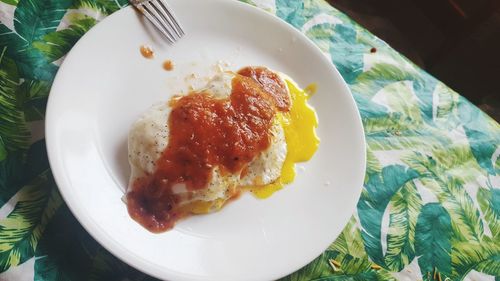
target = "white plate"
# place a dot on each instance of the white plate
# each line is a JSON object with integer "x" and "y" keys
{"x": 105, "y": 84}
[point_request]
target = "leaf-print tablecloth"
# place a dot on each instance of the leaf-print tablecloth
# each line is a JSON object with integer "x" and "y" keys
{"x": 430, "y": 206}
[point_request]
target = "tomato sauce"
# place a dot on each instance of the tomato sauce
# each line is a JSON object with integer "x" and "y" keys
{"x": 271, "y": 83}
{"x": 168, "y": 65}
{"x": 206, "y": 132}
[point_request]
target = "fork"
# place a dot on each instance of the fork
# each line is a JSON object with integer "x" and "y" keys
{"x": 161, "y": 16}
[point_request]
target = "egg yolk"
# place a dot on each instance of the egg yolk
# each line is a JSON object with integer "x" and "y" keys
{"x": 302, "y": 142}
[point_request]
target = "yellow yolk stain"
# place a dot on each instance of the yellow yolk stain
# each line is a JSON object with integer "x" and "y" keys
{"x": 302, "y": 142}
{"x": 311, "y": 89}
{"x": 204, "y": 207}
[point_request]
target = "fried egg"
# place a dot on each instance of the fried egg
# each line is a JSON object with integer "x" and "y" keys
{"x": 243, "y": 131}
{"x": 149, "y": 135}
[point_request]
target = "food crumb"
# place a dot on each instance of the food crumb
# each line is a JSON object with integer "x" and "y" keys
{"x": 168, "y": 65}
{"x": 147, "y": 52}
{"x": 334, "y": 264}
{"x": 373, "y": 50}
{"x": 376, "y": 266}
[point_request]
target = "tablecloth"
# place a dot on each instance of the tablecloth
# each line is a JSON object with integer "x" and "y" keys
{"x": 430, "y": 205}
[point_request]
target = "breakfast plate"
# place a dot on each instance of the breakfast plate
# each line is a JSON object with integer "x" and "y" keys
{"x": 105, "y": 84}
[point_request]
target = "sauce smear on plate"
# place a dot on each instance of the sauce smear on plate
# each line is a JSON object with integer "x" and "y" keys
{"x": 147, "y": 52}
{"x": 168, "y": 65}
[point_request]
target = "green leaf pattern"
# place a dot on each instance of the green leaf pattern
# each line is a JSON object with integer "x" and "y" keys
{"x": 489, "y": 200}
{"x": 433, "y": 241}
{"x": 23, "y": 227}
{"x": 404, "y": 208}
{"x": 429, "y": 209}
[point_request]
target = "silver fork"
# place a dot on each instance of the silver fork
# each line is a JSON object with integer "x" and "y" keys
{"x": 161, "y": 15}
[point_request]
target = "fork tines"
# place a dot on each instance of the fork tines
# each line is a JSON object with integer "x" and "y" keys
{"x": 161, "y": 16}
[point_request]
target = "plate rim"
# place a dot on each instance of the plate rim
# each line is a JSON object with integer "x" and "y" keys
{"x": 101, "y": 236}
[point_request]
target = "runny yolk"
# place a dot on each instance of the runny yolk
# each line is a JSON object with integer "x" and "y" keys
{"x": 302, "y": 142}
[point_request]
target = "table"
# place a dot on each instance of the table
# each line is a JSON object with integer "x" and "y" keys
{"x": 430, "y": 206}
